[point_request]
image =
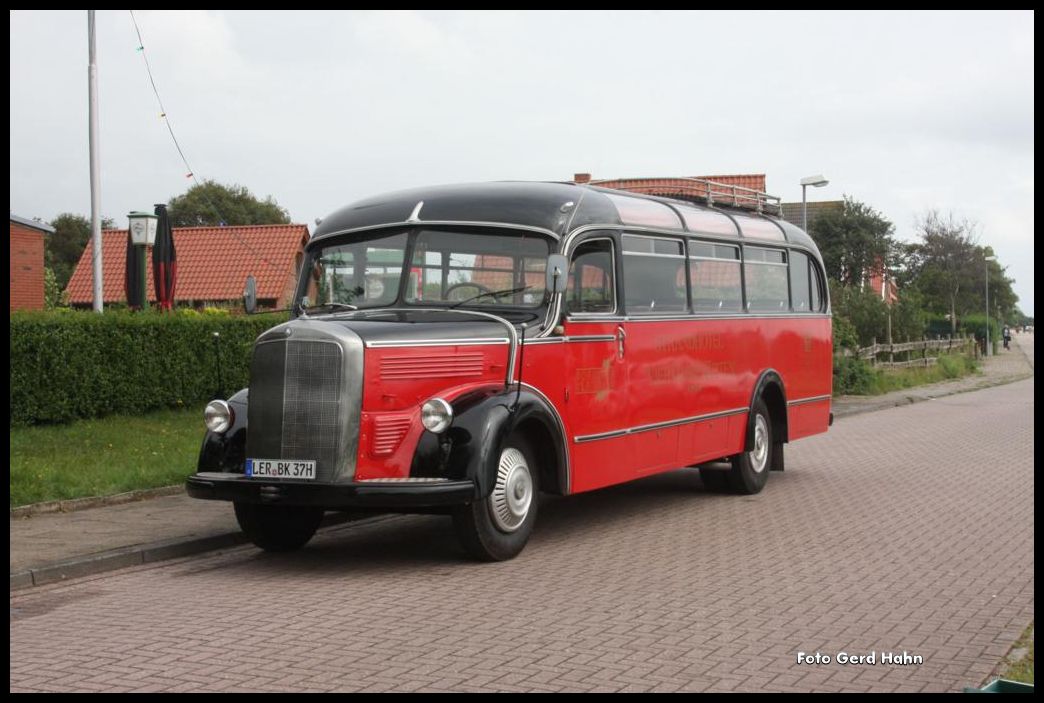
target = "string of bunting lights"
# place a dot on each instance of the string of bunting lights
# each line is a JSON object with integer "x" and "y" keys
{"x": 189, "y": 171}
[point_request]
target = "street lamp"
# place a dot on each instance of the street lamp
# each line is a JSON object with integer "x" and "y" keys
{"x": 818, "y": 182}
{"x": 989, "y": 349}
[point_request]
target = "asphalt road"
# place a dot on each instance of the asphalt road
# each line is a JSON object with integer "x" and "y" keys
{"x": 908, "y": 529}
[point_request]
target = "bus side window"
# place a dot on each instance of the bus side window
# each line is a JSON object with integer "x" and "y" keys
{"x": 654, "y": 274}
{"x": 799, "y": 282}
{"x": 817, "y": 287}
{"x": 591, "y": 286}
{"x": 715, "y": 272}
{"x": 765, "y": 274}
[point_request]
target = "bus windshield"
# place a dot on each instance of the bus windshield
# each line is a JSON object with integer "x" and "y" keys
{"x": 446, "y": 268}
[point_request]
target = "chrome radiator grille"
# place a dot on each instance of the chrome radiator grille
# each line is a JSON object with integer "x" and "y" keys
{"x": 295, "y": 407}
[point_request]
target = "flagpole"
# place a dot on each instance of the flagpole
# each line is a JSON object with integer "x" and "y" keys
{"x": 92, "y": 92}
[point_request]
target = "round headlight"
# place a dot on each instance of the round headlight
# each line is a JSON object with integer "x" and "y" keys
{"x": 436, "y": 415}
{"x": 218, "y": 416}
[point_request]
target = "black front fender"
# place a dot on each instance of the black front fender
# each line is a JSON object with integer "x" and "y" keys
{"x": 482, "y": 422}
{"x": 226, "y": 452}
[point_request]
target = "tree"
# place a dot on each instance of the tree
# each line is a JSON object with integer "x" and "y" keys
{"x": 946, "y": 263}
{"x": 863, "y": 309}
{"x": 54, "y": 296}
{"x": 63, "y": 248}
{"x": 1002, "y": 296}
{"x": 853, "y": 240}
{"x": 210, "y": 203}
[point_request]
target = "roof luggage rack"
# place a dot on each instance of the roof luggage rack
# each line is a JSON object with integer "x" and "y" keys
{"x": 698, "y": 190}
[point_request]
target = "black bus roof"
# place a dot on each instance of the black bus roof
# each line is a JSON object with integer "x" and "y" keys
{"x": 557, "y": 208}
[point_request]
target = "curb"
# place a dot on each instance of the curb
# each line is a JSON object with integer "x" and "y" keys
{"x": 66, "y": 506}
{"x": 148, "y": 553}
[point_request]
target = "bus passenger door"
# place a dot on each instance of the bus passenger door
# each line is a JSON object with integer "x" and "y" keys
{"x": 595, "y": 377}
{"x": 659, "y": 372}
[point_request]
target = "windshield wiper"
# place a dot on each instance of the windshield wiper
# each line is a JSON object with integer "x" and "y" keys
{"x": 494, "y": 293}
{"x": 332, "y": 306}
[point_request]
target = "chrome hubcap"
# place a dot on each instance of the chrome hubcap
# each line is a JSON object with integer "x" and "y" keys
{"x": 513, "y": 492}
{"x": 759, "y": 454}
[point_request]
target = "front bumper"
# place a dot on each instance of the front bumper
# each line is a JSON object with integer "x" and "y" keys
{"x": 213, "y": 485}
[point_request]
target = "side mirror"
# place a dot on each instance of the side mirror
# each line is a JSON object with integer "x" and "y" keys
{"x": 557, "y": 271}
{"x": 250, "y": 295}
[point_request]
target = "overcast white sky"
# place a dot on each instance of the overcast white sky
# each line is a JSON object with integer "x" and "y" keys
{"x": 904, "y": 111}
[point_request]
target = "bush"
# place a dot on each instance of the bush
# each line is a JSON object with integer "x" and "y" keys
{"x": 845, "y": 336}
{"x": 937, "y": 326}
{"x": 955, "y": 365}
{"x": 68, "y": 365}
{"x": 976, "y": 324}
{"x": 852, "y": 376}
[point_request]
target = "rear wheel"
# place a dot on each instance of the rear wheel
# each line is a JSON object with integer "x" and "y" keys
{"x": 498, "y": 527}
{"x": 278, "y": 528}
{"x": 750, "y": 470}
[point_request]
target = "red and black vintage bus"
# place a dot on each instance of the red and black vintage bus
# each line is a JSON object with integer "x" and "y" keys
{"x": 460, "y": 349}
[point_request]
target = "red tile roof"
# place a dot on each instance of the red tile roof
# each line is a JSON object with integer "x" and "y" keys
{"x": 213, "y": 263}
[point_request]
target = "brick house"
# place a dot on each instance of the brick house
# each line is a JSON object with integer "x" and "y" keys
{"x": 27, "y": 263}
{"x": 213, "y": 264}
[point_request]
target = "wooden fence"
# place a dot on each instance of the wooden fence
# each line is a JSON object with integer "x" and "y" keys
{"x": 915, "y": 353}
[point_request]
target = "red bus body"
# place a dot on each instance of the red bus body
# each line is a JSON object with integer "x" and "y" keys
{"x": 602, "y": 392}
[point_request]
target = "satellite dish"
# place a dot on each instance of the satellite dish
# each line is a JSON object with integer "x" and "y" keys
{"x": 250, "y": 295}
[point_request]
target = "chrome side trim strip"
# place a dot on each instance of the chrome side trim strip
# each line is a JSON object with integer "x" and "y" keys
{"x": 810, "y": 399}
{"x": 575, "y": 339}
{"x": 659, "y": 425}
{"x": 591, "y": 338}
{"x": 404, "y": 479}
{"x": 604, "y": 435}
{"x": 704, "y": 316}
{"x": 484, "y": 341}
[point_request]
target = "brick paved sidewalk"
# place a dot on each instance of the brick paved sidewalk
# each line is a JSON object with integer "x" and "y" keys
{"x": 907, "y": 530}
{"x": 55, "y": 537}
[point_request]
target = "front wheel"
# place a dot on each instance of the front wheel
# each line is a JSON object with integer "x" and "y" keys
{"x": 498, "y": 527}
{"x": 750, "y": 470}
{"x": 278, "y": 528}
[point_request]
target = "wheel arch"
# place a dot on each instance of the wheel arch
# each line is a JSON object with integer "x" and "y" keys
{"x": 770, "y": 388}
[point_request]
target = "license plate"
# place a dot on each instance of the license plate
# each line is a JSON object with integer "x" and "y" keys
{"x": 280, "y": 468}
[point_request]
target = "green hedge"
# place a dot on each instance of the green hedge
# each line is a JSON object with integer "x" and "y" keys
{"x": 71, "y": 364}
{"x": 976, "y": 324}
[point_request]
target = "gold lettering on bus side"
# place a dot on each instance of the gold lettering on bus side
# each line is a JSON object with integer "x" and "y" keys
{"x": 697, "y": 342}
{"x": 806, "y": 341}
{"x": 592, "y": 380}
{"x": 723, "y": 367}
{"x": 665, "y": 374}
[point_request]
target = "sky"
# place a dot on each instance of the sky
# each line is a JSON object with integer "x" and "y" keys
{"x": 905, "y": 111}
